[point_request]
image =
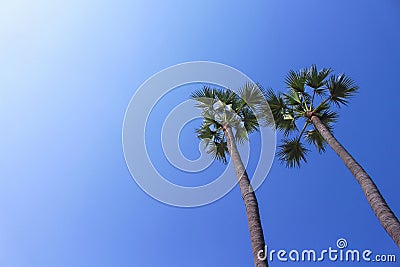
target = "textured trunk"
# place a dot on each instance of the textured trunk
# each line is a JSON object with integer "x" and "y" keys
{"x": 378, "y": 204}
{"x": 250, "y": 201}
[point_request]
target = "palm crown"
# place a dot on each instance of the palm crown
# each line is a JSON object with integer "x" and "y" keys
{"x": 223, "y": 108}
{"x": 310, "y": 92}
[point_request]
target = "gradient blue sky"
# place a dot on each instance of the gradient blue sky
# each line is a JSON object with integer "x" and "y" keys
{"x": 68, "y": 71}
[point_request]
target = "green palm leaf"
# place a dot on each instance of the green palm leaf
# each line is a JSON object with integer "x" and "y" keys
{"x": 314, "y": 137}
{"x": 316, "y": 79}
{"x": 296, "y": 80}
{"x": 241, "y": 134}
{"x": 323, "y": 106}
{"x": 328, "y": 118}
{"x": 228, "y": 97}
{"x": 292, "y": 152}
{"x": 205, "y": 98}
{"x": 341, "y": 88}
{"x": 249, "y": 120}
{"x": 284, "y": 117}
{"x": 218, "y": 150}
{"x": 275, "y": 101}
{"x": 252, "y": 95}
{"x": 205, "y": 132}
{"x": 292, "y": 98}
{"x": 206, "y": 92}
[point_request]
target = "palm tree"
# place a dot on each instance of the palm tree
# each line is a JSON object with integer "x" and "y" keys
{"x": 300, "y": 103}
{"x": 223, "y": 113}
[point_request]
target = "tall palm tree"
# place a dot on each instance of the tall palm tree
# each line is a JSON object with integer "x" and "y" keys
{"x": 300, "y": 103}
{"x": 229, "y": 118}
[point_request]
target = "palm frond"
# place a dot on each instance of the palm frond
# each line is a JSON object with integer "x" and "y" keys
{"x": 225, "y": 114}
{"x": 284, "y": 116}
{"x": 292, "y": 152}
{"x": 206, "y": 91}
{"x": 228, "y": 97}
{"x": 341, "y": 88}
{"x": 205, "y": 98}
{"x": 296, "y": 80}
{"x": 205, "y": 103}
{"x": 241, "y": 134}
{"x": 252, "y": 95}
{"x": 328, "y": 118}
{"x": 297, "y": 100}
{"x": 315, "y": 138}
{"x": 287, "y": 126}
{"x": 275, "y": 102}
{"x": 218, "y": 150}
{"x": 267, "y": 118}
{"x": 323, "y": 106}
{"x": 213, "y": 140}
{"x": 293, "y": 98}
{"x": 249, "y": 120}
{"x": 213, "y": 124}
{"x": 299, "y": 111}
{"x": 316, "y": 79}
{"x": 205, "y": 132}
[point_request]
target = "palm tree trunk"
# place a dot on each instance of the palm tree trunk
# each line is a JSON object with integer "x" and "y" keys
{"x": 378, "y": 204}
{"x": 250, "y": 202}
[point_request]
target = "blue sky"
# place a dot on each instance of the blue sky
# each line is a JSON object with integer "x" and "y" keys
{"x": 68, "y": 71}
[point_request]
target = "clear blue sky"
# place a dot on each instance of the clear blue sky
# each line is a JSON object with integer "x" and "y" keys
{"x": 68, "y": 71}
